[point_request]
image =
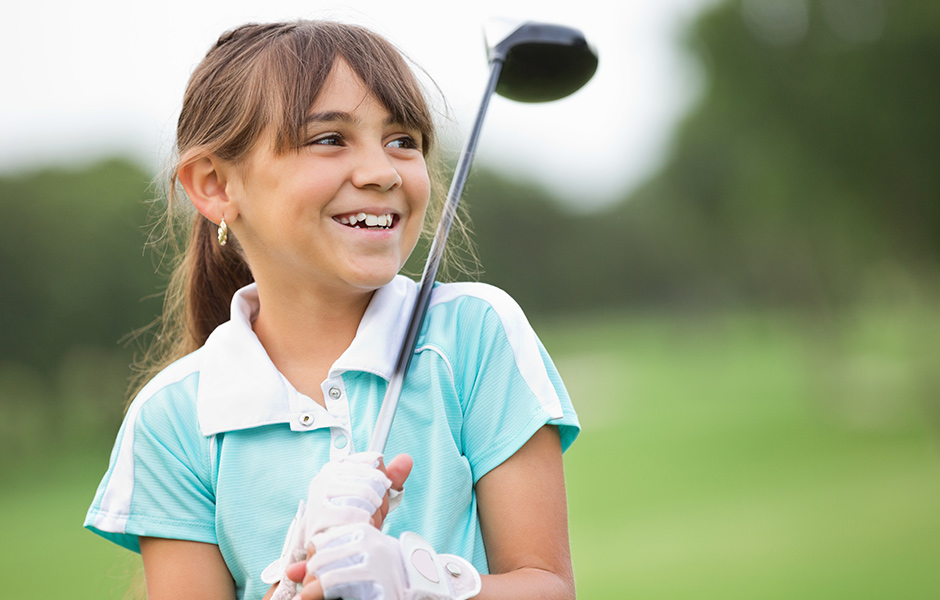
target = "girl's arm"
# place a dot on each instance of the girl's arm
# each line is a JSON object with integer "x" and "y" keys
{"x": 184, "y": 569}
{"x": 524, "y": 519}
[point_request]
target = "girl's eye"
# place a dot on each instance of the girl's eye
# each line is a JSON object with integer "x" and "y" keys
{"x": 405, "y": 142}
{"x": 330, "y": 139}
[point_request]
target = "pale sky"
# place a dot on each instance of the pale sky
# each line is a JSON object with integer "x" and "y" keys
{"x": 82, "y": 80}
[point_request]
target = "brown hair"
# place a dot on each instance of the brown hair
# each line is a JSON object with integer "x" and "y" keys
{"x": 258, "y": 77}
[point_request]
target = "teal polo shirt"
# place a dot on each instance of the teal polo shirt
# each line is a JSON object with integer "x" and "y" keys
{"x": 219, "y": 447}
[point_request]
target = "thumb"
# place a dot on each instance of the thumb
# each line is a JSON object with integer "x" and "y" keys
{"x": 398, "y": 470}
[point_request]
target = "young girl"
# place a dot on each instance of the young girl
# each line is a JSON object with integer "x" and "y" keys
{"x": 303, "y": 148}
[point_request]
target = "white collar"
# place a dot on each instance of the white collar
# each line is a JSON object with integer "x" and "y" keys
{"x": 239, "y": 386}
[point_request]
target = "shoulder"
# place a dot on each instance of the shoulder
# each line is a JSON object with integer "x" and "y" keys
{"x": 160, "y": 477}
{"x": 171, "y": 394}
{"x": 484, "y": 292}
{"x": 161, "y": 427}
{"x": 174, "y": 378}
{"x": 473, "y": 300}
{"x": 478, "y": 324}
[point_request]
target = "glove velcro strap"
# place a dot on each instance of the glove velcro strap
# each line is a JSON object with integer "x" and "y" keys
{"x": 464, "y": 579}
{"x": 432, "y": 575}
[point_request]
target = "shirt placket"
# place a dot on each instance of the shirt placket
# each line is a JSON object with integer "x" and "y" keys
{"x": 337, "y": 405}
{"x": 306, "y": 414}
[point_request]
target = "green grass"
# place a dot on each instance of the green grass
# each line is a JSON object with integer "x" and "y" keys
{"x": 733, "y": 457}
{"x": 45, "y": 549}
{"x": 726, "y": 457}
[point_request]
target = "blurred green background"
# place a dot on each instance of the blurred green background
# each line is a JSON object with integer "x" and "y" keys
{"x": 750, "y": 337}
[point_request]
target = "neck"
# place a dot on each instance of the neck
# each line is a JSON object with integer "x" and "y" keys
{"x": 304, "y": 332}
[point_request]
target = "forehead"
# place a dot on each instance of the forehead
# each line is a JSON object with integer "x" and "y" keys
{"x": 344, "y": 91}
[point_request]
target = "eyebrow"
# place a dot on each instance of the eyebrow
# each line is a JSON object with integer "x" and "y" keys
{"x": 338, "y": 116}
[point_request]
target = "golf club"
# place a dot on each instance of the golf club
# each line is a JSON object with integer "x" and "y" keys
{"x": 529, "y": 62}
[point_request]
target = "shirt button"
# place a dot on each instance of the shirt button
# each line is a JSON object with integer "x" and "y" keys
{"x": 306, "y": 419}
{"x": 335, "y": 393}
{"x": 340, "y": 441}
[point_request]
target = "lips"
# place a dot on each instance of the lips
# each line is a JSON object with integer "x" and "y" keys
{"x": 362, "y": 220}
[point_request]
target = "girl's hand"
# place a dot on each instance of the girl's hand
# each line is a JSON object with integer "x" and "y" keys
{"x": 348, "y": 481}
{"x": 397, "y": 471}
{"x": 346, "y": 490}
{"x": 360, "y": 561}
{"x": 298, "y": 572}
{"x": 354, "y": 489}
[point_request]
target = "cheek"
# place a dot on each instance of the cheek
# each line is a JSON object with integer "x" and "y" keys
{"x": 420, "y": 191}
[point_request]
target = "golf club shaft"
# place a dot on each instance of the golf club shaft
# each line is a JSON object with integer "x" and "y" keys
{"x": 386, "y": 415}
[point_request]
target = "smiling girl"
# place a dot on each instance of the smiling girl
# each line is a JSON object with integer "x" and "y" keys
{"x": 303, "y": 148}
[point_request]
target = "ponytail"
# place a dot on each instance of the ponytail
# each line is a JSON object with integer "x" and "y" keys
{"x": 198, "y": 297}
{"x": 215, "y": 273}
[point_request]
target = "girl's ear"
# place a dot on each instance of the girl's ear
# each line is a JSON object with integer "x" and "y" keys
{"x": 205, "y": 181}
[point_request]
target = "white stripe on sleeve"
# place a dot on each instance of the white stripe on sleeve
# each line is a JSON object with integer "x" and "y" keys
{"x": 521, "y": 336}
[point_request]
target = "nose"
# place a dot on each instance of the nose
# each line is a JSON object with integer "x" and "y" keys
{"x": 375, "y": 169}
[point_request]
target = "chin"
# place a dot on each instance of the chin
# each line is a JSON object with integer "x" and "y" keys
{"x": 374, "y": 281}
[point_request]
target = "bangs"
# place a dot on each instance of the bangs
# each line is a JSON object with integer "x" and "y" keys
{"x": 299, "y": 64}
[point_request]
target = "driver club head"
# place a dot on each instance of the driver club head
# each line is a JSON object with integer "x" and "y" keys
{"x": 541, "y": 62}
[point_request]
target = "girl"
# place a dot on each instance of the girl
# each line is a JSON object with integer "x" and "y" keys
{"x": 303, "y": 146}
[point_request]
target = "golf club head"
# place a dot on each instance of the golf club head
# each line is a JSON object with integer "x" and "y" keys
{"x": 541, "y": 62}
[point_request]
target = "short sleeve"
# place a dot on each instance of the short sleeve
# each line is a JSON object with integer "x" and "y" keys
{"x": 159, "y": 480}
{"x": 509, "y": 384}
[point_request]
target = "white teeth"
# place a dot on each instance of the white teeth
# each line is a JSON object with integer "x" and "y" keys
{"x": 383, "y": 220}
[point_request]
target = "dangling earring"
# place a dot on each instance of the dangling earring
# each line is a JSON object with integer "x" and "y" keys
{"x": 223, "y": 232}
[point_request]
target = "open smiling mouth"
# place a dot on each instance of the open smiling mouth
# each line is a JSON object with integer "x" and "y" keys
{"x": 367, "y": 221}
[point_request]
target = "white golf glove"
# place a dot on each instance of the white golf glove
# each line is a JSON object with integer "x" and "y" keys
{"x": 346, "y": 490}
{"x": 359, "y": 561}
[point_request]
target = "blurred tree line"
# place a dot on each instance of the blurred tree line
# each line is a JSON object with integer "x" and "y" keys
{"x": 74, "y": 281}
{"x": 804, "y": 178}
{"x": 806, "y": 175}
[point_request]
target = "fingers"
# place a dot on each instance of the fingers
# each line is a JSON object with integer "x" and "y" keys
{"x": 296, "y": 571}
{"x": 308, "y": 577}
{"x": 398, "y": 470}
{"x": 311, "y": 591}
{"x": 378, "y": 517}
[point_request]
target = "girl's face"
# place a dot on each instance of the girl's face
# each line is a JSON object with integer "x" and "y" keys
{"x": 344, "y": 211}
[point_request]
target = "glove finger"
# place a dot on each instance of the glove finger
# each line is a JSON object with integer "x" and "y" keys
{"x": 375, "y": 478}
{"x": 341, "y": 558}
{"x": 340, "y": 581}
{"x": 358, "y": 489}
{"x": 339, "y": 535}
{"x": 332, "y": 475}
{"x": 336, "y": 548}
{"x": 366, "y": 458}
{"x": 349, "y": 467}
{"x": 332, "y": 516}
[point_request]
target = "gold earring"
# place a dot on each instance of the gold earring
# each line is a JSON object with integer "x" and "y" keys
{"x": 223, "y": 232}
